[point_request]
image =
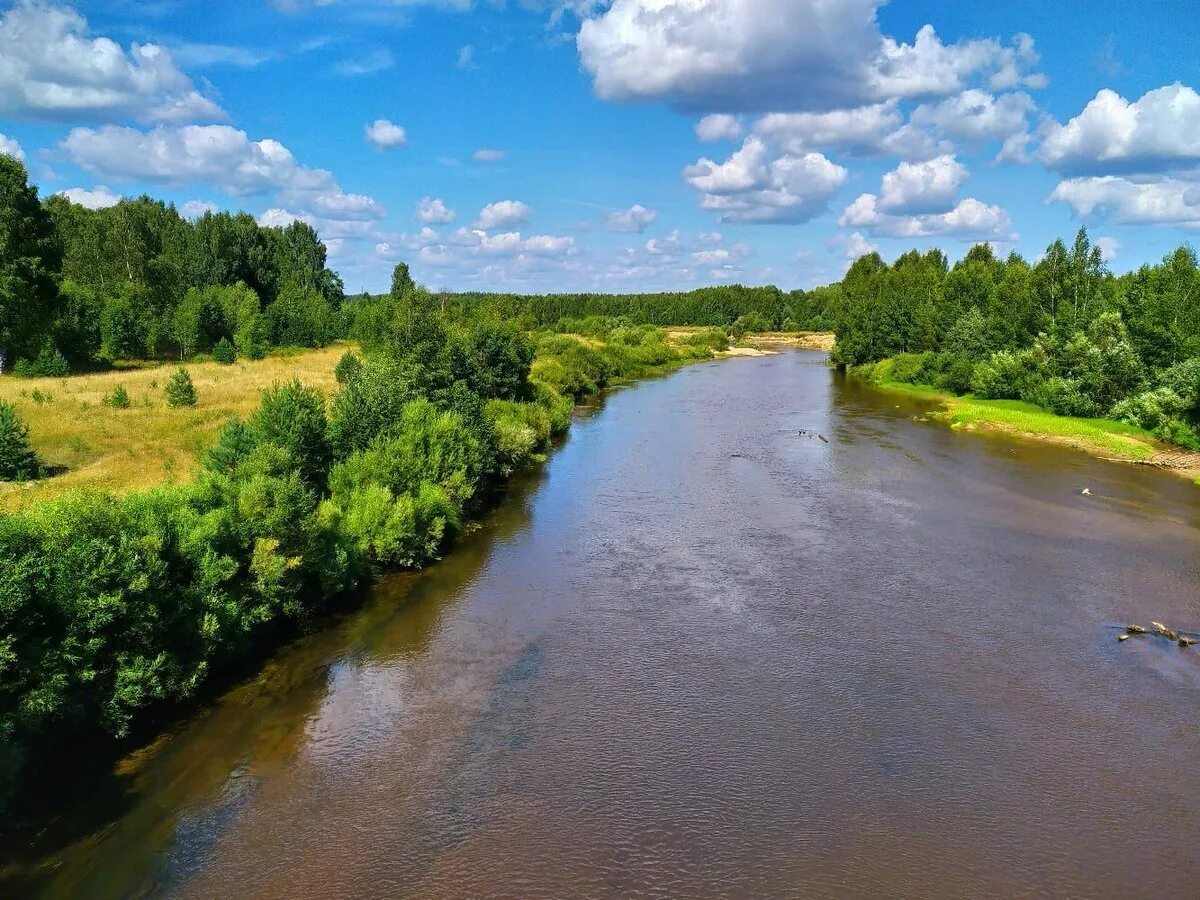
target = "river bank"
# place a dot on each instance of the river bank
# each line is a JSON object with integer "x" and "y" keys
{"x": 1102, "y": 438}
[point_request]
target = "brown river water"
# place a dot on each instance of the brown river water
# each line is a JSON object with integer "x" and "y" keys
{"x": 700, "y": 654}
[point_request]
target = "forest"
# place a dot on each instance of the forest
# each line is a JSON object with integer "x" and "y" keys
{"x": 1064, "y": 333}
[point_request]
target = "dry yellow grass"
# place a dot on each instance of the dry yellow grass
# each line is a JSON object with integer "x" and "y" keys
{"x": 121, "y": 450}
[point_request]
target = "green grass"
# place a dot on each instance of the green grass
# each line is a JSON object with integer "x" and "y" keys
{"x": 1100, "y": 437}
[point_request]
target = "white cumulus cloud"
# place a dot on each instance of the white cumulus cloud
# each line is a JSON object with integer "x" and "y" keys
{"x": 52, "y": 68}
{"x": 386, "y": 135}
{"x": 1112, "y": 136}
{"x": 782, "y": 55}
{"x": 433, "y": 211}
{"x": 635, "y": 219}
{"x": 922, "y": 187}
{"x": 10, "y": 147}
{"x": 755, "y": 185}
{"x": 503, "y": 214}
{"x": 1129, "y": 202}
{"x": 98, "y": 197}
{"x": 719, "y": 127}
{"x": 488, "y": 155}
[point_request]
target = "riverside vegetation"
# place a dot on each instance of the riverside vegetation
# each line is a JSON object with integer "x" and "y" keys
{"x": 1025, "y": 344}
{"x": 113, "y": 609}
{"x": 116, "y": 608}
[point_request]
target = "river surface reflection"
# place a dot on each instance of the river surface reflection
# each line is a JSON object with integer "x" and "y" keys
{"x": 702, "y": 654}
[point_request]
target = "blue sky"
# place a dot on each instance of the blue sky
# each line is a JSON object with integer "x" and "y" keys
{"x": 539, "y": 145}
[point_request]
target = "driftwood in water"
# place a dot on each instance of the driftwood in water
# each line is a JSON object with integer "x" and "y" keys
{"x": 1161, "y": 630}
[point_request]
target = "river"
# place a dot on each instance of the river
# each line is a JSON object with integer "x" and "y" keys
{"x": 702, "y": 654}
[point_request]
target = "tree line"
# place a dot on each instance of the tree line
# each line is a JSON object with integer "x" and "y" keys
{"x": 1063, "y": 333}
{"x": 81, "y": 287}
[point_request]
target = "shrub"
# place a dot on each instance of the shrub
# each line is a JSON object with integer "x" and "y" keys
{"x": 18, "y": 462}
{"x": 911, "y": 368}
{"x": 118, "y": 399}
{"x": 180, "y": 390}
{"x": 50, "y": 363}
{"x": 1064, "y": 397}
{"x": 425, "y": 445}
{"x": 292, "y": 417}
{"x": 223, "y": 352}
{"x": 348, "y": 368}
{"x": 710, "y": 338}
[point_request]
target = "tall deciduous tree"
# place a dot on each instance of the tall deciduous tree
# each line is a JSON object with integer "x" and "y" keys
{"x": 30, "y": 264}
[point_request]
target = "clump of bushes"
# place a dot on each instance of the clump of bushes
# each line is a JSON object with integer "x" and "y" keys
{"x": 49, "y": 363}
{"x": 180, "y": 390}
{"x": 18, "y": 462}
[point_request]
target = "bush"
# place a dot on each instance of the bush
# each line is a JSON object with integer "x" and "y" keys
{"x": 118, "y": 399}
{"x": 715, "y": 339}
{"x": 1064, "y": 397}
{"x": 180, "y": 390}
{"x": 48, "y": 364}
{"x": 348, "y": 368}
{"x": 911, "y": 368}
{"x": 223, "y": 352}
{"x": 18, "y": 462}
{"x": 292, "y": 417}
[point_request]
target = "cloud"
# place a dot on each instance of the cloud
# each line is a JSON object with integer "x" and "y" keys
{"x": 488, "y": 155}
{"x": 368, "y": 63}
{"x": 1111, "y": 136}
{"x": 1122, "y": 200}
{"x": 466, "y": 57}
{"x": 719, "y": 127}
{"x": 1109, "y": 247}
{"x": 754, "y": 185}
{"x": 385, "y": 134}
{"x": 855, "y": 246}
{"x": 206, "y": 55}
{"x": 925, "y": 187}
{"x": 10, "y": 147}
{"x": 929, "y": 68}
{"x": 862, "y": 129}
{"x": 636, "y": 219}
{"x": 282, "y": 218}
{"x": 503, "y": 214}
{"x": 970, "y": 219}
{"x": 217, "y": 155}
{"x": 195, "y": 209}
{"x": 730, "y": 54}
{"x": 976, "y": 118}
{"x": 50, "y": 68}
{"x": 432, "y": 211}
{"x": 98, "y": 197}
{"x": 782, "y": 55}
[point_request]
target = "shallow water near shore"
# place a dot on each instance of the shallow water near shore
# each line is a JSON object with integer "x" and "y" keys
{"x": 700, "y": 653}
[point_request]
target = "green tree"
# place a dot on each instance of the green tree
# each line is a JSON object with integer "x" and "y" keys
{"x": 30, "y": 265}
{"x": 180, "y": 389}
{"x": 18, "y": 462}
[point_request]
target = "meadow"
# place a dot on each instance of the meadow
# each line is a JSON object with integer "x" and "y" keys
{"x": 93, "y": 445}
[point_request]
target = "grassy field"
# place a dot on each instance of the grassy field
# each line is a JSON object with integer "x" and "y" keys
{"x": 149, "y": 443}
{"x": 1100, "y": 437}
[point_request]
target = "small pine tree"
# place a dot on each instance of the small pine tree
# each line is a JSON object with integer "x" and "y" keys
{"x": 348, "y": 368}
{"x": 223, "y": 352}
{"x": 180, "y": 390}
{"x": 18, "y": 462}
{"x": 119, "y": 398}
